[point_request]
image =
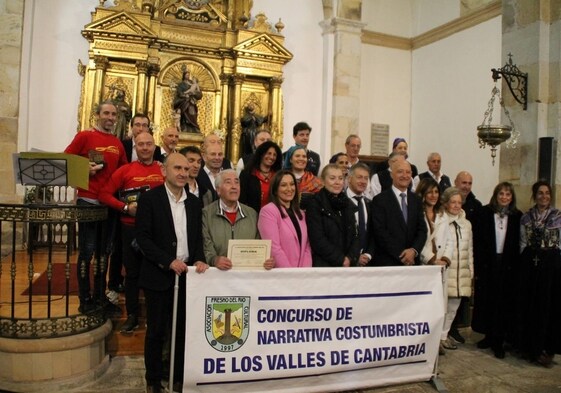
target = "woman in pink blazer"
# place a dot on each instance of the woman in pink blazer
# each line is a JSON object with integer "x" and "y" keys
{"x": 282, "y": 221}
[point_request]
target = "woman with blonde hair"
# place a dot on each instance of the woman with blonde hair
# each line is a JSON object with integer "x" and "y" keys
{"x": 460, "y": 248}
{"x": 332, "y": 228}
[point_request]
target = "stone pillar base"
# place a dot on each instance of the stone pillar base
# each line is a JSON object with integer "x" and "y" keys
{"x": 30, "y": 365}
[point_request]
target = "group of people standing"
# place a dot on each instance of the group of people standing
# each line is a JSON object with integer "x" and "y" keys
{"x": 184, "y": 211}
{"x": 516, "y": 293}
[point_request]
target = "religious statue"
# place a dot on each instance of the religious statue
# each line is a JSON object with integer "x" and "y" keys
{"x": 187, "y": 94}
{"x": 124, "y": 113}
{"x": 251, "y": 122}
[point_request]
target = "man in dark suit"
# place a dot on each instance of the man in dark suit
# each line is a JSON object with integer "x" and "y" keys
{"x": 169, "y": 233}
{"x": 358, "y": 183}
{"x": 397, "y": 227}
{"x": 139, "y": 123}
{"x": 213, "y": 157}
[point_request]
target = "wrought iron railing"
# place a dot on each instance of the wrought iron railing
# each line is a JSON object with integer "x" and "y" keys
{"x": 31, "y": 315}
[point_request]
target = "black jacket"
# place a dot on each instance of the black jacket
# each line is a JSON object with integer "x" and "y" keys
{"x": 333, "y": 234}
{"x": 155, "y": 235}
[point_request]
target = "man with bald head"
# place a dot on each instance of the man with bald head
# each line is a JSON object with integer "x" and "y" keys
{"x": 105, "y": 153}
{"x": 397, "y": 228}
{"x": 128, "y": 182}
{"x": 169, "y": 234}
{"x": 470, "y": 203}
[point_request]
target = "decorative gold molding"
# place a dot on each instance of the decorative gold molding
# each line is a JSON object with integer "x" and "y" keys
{"x": 475, "y": 18}
{"x": 484, "y": 14}
{"x": 386, "y": 40}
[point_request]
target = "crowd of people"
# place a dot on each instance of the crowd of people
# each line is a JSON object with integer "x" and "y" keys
{"x": 177, "y": 210}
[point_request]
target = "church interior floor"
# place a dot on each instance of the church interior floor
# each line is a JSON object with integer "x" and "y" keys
{"x": 467, "y": 369}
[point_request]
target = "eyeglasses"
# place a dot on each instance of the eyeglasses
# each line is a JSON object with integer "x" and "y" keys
{"x": 141, "y": 125}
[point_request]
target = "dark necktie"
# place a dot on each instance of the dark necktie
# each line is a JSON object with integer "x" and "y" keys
{"x": 404, "y": 205}
{"x": 361, "y": 222}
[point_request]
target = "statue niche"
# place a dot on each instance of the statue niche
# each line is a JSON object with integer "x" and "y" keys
{"x": 187, "y": 93}
{"x": 251, "y": 122}
{"x": 124, "y": 113}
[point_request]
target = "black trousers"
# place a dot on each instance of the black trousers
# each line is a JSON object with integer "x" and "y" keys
{"x": 158, "y": 318}
{"x": 132, "y": 261}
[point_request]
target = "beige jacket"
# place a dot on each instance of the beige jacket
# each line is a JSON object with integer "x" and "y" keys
{"x": 460, "y": 272}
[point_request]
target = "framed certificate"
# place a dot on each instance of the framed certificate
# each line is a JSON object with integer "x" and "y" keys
{"x": 248, "y": 254}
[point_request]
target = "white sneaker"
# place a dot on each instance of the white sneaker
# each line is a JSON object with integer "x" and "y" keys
{"x": 113, "y": 297}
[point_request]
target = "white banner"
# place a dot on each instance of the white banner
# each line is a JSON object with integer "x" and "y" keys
{"x": 311, "y": 329}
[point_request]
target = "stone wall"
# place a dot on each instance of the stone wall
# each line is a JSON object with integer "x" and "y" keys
{"x": 11, "y": 25}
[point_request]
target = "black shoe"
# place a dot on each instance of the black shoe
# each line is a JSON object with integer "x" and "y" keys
{"x": 110, "y": 309}
{"x": 545, "y": 360}
{"x": 455, "y": 334}
{"x": 86, "y": 306}
{"x": 485, "y": 343}
{"x": 130, "y": 325}
{"x": 499, "y": 352}
{"x": 154, "y": 389}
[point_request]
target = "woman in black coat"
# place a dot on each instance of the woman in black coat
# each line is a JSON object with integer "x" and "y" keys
{"x": 496, "y": 259}
{"x": 330, "y": 217}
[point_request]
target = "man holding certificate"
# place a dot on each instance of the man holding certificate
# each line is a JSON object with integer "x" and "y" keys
{"x": 226, "y": 219}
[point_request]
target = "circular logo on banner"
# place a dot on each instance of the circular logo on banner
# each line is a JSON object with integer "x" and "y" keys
{"x": 227, "y": 322}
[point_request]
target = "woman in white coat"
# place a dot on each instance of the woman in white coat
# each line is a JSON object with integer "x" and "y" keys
{"x": 433, "y": 252}
{"x": 438, "y": 248}
{"x": 460, "y": 270}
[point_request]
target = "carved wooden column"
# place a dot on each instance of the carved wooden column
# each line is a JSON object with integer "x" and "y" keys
{"x": 153, "y": 71}
{"x": 238, "y": 80}
{"x": 276, "y": 108}
{"x": 225, "y": 87}
{"x": 142, "y": 68}
{"x": 101, "y": 63}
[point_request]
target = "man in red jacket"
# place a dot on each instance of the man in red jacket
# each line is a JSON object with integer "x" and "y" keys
{"x": 128, "y": 182}
{"x": 106, "y": 153}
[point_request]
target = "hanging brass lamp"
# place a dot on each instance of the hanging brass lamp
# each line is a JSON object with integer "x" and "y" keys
{"x": 493, "y": 134}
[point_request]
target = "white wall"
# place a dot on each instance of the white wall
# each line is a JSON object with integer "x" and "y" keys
{"x": 451, "y": 87}
{"x": 302, "y": 87}
{"x": 385, "y": 95}
{"x": 408, "y": 18}
{"x": 428, "y": 14}
{"x": 392, "y": 17}
{"x": 50, "y": 85}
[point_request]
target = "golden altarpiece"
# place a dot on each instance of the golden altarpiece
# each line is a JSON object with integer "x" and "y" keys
{"x": 139, "y": 50}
